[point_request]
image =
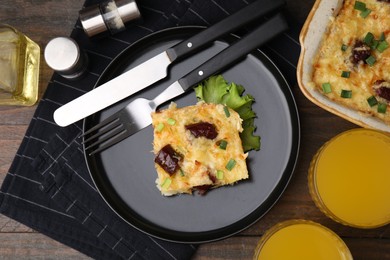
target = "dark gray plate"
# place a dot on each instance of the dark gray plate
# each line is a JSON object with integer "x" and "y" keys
{"x": 125, "y": 175}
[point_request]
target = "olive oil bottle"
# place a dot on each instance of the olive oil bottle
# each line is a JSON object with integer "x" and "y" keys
{"x": 19, "y": 68}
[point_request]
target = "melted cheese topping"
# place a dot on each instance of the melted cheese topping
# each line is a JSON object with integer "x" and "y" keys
{"x": 347, "y": 27}
{"x": 203, "y": 161}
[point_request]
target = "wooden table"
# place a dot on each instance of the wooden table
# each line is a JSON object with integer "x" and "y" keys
{"x": 43, "y": 20}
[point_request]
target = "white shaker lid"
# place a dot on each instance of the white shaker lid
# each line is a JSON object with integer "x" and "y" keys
{"x": 63, "y": 55}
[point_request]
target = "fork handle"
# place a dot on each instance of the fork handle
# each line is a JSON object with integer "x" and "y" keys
{"x": 229, "y": 24}
{"x": 235, "y": 52}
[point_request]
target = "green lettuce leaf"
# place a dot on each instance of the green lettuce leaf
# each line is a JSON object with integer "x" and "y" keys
{"x": 249, "y": 140}
{"x": 218, "y": 91}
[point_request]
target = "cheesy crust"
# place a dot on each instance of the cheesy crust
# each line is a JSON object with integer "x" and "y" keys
{"x": 201, "y": 161}
{"x": 335, "y": 64}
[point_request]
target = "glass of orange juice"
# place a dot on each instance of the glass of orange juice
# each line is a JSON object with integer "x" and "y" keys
{"x": 301, "y": 240}
{"x": 349, "y": 178}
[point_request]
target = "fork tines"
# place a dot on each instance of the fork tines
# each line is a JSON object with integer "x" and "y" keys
{"x": 107, "y": 133}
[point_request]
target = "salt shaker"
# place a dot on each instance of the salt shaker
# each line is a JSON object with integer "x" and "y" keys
{"x": 63, "y": 55}
{"x": 108, "y": 17}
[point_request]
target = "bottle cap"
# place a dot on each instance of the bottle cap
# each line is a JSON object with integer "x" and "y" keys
{"x": 108, "y": 16}
{"x": 63, "y": 55}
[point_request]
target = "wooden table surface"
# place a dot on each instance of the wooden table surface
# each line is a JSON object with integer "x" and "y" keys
{"x": 43, "y": 20}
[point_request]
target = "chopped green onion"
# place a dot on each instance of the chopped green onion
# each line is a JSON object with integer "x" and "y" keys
{"x": 346, "y": 93}
{"x": 365, "y": 13}
{"x": 171, "y": 121}
{"x": 219, "y": 175}
{"x": 382, "y": 46}
{"x": 371, "y": 60}
{"x": 181, "y": 172}
{"x": 360, "y": 6}
{"x": 374, "y": 44}
{"x": 327, "y": 88}
{"x": 167, "y": 182}
{"x": 368, "y": 38}
{"x": 382, "y": 37}
{"x": 230, "y": 165}
{"x": 223, "y": 144}
{"x": 226, "y": 110}
{"x": 382, "y": 108}
{"x": 159, "y": 127}
{"x": 344, "y": 47}
{"x": 345, "y": 74}
{"x": 372, "y": 101}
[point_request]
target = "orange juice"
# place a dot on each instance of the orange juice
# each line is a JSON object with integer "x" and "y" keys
{"x": 301, "y": 240}
{"x": 349, "y": 178}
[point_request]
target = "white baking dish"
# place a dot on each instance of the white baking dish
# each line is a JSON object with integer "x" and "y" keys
{"x": 310, "y": 38}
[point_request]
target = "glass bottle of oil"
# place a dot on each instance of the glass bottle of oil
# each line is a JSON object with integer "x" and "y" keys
{"x": 19, "y": 68}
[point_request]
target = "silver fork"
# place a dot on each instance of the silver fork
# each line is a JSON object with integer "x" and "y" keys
{"x": 136, "y": 115}
{"x": 129, "y": 120}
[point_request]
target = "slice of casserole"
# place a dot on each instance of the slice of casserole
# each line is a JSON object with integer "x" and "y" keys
{"x": 352, "y": 66}
{"x": 197, "y": 148}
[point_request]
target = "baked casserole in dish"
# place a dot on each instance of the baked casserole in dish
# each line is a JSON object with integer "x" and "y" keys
{"x": 344, "y": 66}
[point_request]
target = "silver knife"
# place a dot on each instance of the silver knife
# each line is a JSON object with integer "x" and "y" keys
{"x": 156, "y": 68}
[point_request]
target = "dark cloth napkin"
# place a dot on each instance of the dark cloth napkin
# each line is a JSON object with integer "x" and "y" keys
{"x": 48, "y": 187}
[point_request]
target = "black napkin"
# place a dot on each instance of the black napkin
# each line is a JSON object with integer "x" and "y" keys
{"x": 48, "y": 187}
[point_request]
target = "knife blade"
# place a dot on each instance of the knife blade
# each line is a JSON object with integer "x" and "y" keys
{"x": 156, "y": 68}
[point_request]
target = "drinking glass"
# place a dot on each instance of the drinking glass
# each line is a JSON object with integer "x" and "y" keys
{"x": 349, "y": 178}
{"x": 301, "y": 240}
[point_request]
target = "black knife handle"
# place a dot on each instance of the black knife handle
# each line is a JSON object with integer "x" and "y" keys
{"x": 229, "y": 24}
{"x": 235, "y": 52}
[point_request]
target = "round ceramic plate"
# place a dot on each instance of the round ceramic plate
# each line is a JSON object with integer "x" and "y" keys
{"x": 125, "y": 175}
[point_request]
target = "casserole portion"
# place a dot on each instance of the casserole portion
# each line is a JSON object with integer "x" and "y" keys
{"x": 197, "y": 148}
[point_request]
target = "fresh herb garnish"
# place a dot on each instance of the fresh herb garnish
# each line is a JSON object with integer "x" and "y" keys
{"x": 382, "y": 107}
{"x": 368, "y": 38}
{"x": 230, "y": 165}
{"x": 371, "y": 60}
{"x": 222, "y": 144}
{"x": 171, "y": 121}
{"x": 326, "y": 87}
{"x": 382, "y": 37}
{"x": 167, "y": 182}
{"x": 218, "y": 91}
{"x": 346, "y": 93}
{"x": 226, "y": 110}
{"x": 219, "y": 175}
{"x": 382, "y": 46}
{"x": 365, "y": 13}
{"x": 374, "y": 44}
{"x": 159, "y": 127}
{"x": 360, "y": 6}
{"x": 372, "y": 101}
{"x": 345, "y": 74}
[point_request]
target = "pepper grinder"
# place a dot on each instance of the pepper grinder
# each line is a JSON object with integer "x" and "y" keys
{"x": 109, "y": 16}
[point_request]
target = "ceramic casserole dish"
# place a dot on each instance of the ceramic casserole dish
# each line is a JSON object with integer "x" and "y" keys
{"x": 311, "y": 37}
